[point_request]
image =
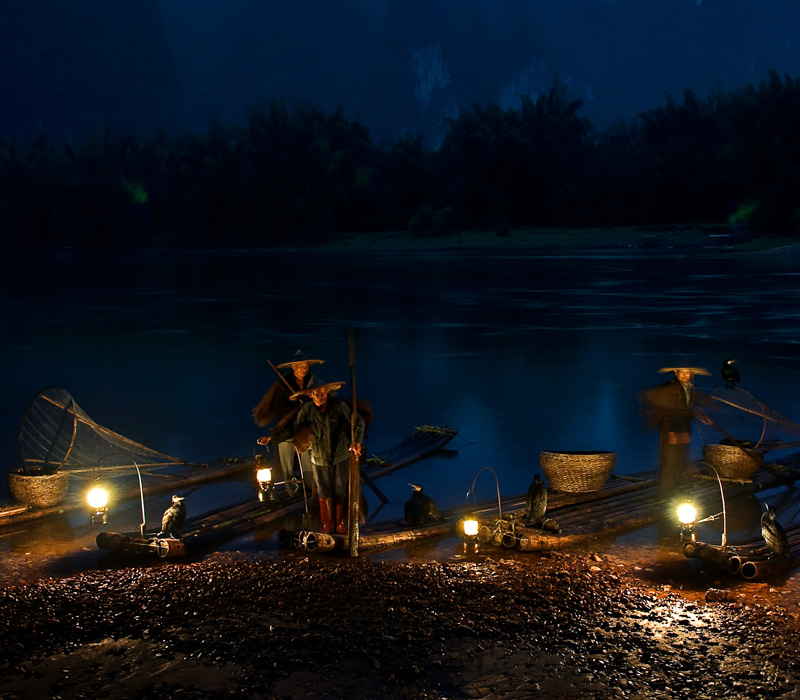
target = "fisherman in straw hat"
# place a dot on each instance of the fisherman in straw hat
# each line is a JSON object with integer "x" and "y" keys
{"x": 278, "y": 405}
{"x": 329, "y": 420}
{"x": 671, "y": 407}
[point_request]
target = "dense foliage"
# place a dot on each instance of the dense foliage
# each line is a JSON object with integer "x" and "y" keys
{"x": 296, "y": 176}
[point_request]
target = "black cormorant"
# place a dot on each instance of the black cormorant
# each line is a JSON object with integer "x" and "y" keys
{"x": 536, "y": 501}
{"x": 774, "y": 534}
{"x": 729, "y": 373}
{"x": 173, "y": 518}
{"x": 421, "y": 509}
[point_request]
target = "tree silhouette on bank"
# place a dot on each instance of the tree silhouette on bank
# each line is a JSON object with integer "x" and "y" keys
{"x": 295, "y": 175}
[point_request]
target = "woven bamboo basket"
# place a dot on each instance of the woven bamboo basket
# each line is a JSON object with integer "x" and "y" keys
{"x": 577, "y": 472}
{"x": 38, "y": 491}
{"x": 734, "y": 462}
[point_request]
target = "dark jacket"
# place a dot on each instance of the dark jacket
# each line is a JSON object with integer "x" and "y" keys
{"x": 669, "y": 408}
{"x": 331, "y": 427}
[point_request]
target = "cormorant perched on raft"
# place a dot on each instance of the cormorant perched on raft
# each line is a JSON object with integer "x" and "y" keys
{"x": 421, "y": 509}
{"x": 774, "y": 534}
{"x": 729, "y": 373}
{"x": 536, "y": 501}
{"x": 173, "y": 518}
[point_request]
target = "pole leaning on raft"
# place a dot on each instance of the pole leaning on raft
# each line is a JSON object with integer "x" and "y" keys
{"x": 354, "y": 492}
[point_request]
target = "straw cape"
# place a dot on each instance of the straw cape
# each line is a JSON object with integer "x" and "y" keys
{"x": 276, "y": 403}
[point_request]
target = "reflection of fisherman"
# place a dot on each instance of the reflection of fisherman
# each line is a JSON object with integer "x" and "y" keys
{"x": 671, "y": 407}
{"x": 279, "y": 405}
{"x": 329, "y": 419}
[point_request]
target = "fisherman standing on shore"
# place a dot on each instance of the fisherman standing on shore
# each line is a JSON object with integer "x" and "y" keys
{"x": 672, "y": 407}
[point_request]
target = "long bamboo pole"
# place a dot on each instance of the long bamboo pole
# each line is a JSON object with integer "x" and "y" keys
{"x": 354, "y": 492}
{"x": 746, "y": 410}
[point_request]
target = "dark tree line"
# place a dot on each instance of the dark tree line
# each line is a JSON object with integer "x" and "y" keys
{"x": 295, "y": 175}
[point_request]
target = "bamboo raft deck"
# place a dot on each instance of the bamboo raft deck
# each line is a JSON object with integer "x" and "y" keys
{"x": 751, "y": 560}
{"x": 623, "y": 504}
{"x": 393, "y": 533}
{"x": 13, "y": 513}
{"x": 615, "y": 510}
{"x": 204, "y": 530}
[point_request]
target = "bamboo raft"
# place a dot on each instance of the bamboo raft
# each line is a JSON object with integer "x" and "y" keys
{"x": 622, "y": 504}
{"x": 13, "y": 513}
{"x": 615, "y": 509}
{"x": 750, "y": 560}
{"x": 227, "y": 522}
{"x": 753, "y": 560}
{"x": 393, "y": 533}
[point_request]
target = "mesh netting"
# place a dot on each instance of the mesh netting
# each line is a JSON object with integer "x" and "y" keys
{"x": 57, "y": 434}
{"x": 733, "y": 415}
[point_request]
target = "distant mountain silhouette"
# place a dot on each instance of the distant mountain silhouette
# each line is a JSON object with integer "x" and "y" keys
{"x": 398, "y": 66}
{"x": 479, "y": 54}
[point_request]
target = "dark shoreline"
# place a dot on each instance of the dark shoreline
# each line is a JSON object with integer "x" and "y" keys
{"x": 638, "y": 240}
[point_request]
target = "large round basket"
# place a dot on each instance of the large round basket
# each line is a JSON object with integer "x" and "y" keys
{"x": 577, "y": 472}
{"x": 734, "y": 462}
{"x": 38, "y": 491}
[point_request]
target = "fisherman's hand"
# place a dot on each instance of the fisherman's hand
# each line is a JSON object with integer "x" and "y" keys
{"x": 264, "y": 440}
{"x": 355, "y": 448}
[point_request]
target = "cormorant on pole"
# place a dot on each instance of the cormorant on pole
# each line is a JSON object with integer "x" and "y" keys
{"x": 774, "y": 534}
{"x": 421, "y": 508}
{"x": 729, "y": 373}
{"x": 173, "y": 518}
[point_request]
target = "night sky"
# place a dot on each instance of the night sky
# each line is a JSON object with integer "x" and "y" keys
{"x": 71, "y": 69}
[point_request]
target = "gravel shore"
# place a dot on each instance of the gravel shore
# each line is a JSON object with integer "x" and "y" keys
{"x": 556, "y": 625}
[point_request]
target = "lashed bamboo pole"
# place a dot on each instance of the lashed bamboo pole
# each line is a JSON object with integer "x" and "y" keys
{"x": 759, "y": 568}
{"x": 538, "y": 540}
{"x": 750, "y": 560}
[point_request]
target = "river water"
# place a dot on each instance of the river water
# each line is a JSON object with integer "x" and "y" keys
{"x": 520, "y": 352}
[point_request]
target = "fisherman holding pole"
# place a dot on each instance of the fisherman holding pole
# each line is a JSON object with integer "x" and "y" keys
{"x": 338, "y": 433}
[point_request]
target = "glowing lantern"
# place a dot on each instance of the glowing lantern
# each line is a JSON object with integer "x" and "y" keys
{"x": 469, "y": 529}
{"x": 97, "y": 498}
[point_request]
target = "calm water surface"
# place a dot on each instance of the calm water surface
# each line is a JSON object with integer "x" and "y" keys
{"x": 520, "y": 353}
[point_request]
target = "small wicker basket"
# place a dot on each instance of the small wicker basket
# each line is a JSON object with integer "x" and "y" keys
{"x": 577, "y": 472}
{"x": 734, "y": 462}
{"x": 38, "y": 491}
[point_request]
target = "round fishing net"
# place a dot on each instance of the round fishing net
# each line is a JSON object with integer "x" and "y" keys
{"x": 734, "y": 416}
{"x": 57, "y": 434}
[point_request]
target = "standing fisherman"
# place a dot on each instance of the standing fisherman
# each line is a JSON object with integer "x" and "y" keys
{"x": 280, "y": 405}
{"x": 329, "y": 419}
{"x": 672, "y": 407}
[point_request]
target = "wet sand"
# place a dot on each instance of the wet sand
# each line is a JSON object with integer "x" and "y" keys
{"x": 552, "y": 625}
